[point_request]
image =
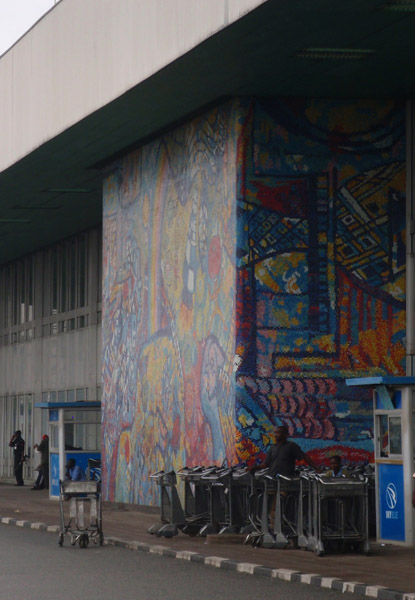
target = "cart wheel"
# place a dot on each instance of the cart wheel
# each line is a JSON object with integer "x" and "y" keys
{"x": 60, "y": 540}
{"x": 73, "y": 541}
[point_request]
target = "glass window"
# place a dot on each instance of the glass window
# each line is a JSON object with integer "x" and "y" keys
{"x": 13, "y": 269}
{"x": 395, "y": 435}
{"x": 81, "y": 395}
{"x": 82, "y": 271}
{"x": 54, "y": 282}
{"x": 82, "y": 416}
{"x": 21, "y": 291}
{"x": 63, "y": 282}
{"x": 54, "y": 436}
{"x": 30, "y": 290}
{"x": 383, "y": 436}
{"x": 81, "y": 322}
{"x": 72, "y": 274}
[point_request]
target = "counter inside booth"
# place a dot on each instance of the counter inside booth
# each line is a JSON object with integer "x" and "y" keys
{"x": 74, "y": 432}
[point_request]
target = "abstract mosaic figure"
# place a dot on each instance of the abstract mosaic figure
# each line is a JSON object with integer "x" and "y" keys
{"x": 321, "y": 253}
{"x": 168, "y": 305}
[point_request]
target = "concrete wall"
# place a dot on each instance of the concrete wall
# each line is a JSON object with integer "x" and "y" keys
{"x": 82, "y": 55}
{"x": 67, "y": 360}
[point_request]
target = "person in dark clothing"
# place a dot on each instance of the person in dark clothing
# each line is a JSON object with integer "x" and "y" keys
{"x": 17, "y": 443}
{"x": 282, "y": 456}
{"x": 280, "y": 460}
{"x": 336, "y": 469}
{"x": 42, "y": 480}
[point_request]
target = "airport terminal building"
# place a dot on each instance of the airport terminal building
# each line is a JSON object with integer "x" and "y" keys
{"x": 206, "y": 223}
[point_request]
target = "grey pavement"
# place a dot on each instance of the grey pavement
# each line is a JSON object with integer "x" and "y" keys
{"x": 388, "y": 574}
{"x": 34, "y": 567}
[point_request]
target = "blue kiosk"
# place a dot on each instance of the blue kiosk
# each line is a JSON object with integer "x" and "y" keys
{"x": 394, "y": 406}
{"x": 74, "y": 432}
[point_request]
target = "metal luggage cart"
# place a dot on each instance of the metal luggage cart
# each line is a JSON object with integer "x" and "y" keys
{"x": 171, "y": 512}
{"x": 340, "y": 514}
{"x": 196, "y": 498}
{"x": 217, "y": 501}
{"x": 261, "y": 486}
{"x": 241, "y": 489}
{"x": 288, "y": 511}
{"x": 227, "y": 500}
{"x": 306, "y": 539}
{"x": 74, "y": 497}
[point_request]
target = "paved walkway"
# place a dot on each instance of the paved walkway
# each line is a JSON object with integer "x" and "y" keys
{"x": 391, "y": 567}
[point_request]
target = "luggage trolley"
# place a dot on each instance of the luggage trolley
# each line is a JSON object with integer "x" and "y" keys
{"x": 196, "y": 498}
{"x": 171, "y": 512}
{"x": 340, "y": 513}
{"x": 241, "y": 489}
{"x": 73, "y": 498}
{"x": 261, "y": 486}
{"x": 288, "y": 514}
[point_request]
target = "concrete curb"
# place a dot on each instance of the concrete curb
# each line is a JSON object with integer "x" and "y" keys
{"x": 354, "y": 587}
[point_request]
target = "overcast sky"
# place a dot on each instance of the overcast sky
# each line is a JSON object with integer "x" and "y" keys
{"x": 17, "y": 16}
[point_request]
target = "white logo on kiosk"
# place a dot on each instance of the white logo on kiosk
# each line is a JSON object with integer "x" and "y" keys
{"x": 391, "y": 495}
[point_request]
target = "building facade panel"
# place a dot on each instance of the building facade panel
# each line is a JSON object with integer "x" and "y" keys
{"x": 49, "y": 338}
{"x": 82, "y": 55}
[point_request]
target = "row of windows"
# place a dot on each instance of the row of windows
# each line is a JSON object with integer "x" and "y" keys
{"x": 62, "y": 276}
{"x": 78, "y": 395}
{"x": 18, "y": 292}
{"x": 67, "y": 265}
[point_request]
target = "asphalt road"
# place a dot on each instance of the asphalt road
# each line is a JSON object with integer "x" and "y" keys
{"x": 34, "y": 567}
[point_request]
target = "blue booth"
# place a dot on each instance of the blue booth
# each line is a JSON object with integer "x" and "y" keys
{"x": 393, "y": 406}
{"x": 74, "y": 432}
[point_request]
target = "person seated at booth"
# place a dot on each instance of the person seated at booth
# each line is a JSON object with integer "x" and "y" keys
{"x": 74, "y": 471}
{"x": 336, "y": 469}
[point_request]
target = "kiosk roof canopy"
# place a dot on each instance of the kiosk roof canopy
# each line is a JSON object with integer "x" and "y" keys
{"x": 381, "y": 380}
{"x": 77, "y": 405}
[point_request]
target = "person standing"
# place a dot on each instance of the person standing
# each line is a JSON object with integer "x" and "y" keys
{"x": 42, "y": 480}
{"x": 17, "y": 443}
{"x": 282, "y": 456}
{"x": 280, "y": 460}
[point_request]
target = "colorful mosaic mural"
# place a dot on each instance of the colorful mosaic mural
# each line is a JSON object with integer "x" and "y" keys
{"x": 321, "y": 270}
{"x": 169, "y": 305}
{"x": 254, "y": 259}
